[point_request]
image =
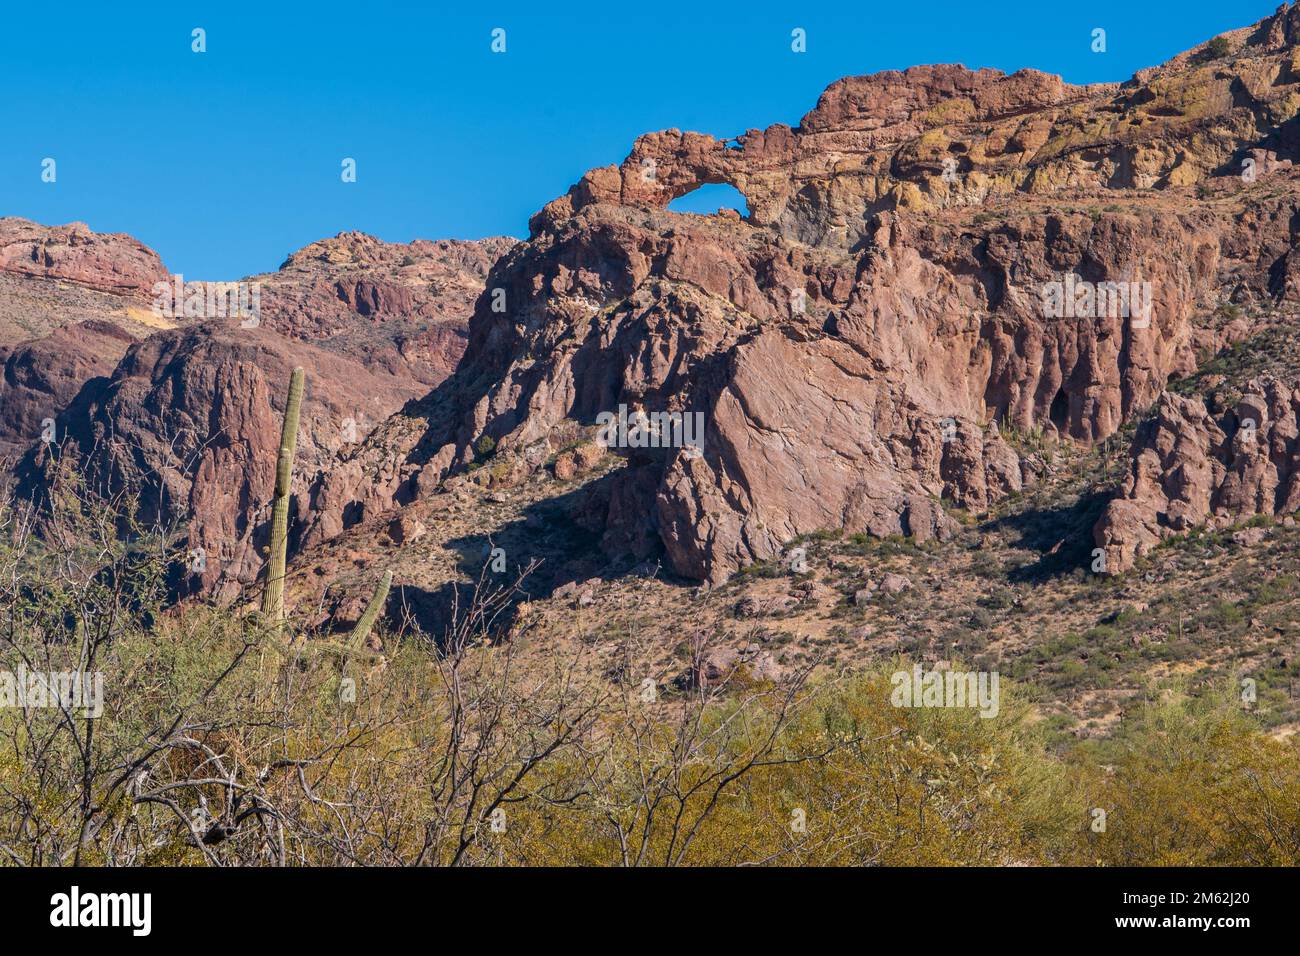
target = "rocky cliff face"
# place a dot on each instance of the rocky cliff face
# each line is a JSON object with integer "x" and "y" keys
{"x": 188, "y": 425}
{"x": 72, "y": 301}
{"x": 860, "y": 345}
{"x": 938, "y": 264}
{"x": 185, "y": 421}
{"x": 396, "y": 308}
{"x": 73, "y": 253}
{"x": 41, "y": 377}
{"x": 55, "y": 276}
{"x": 1195, "y": 466}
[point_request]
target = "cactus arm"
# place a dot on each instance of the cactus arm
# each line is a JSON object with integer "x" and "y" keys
{"x": 371, "y": 613}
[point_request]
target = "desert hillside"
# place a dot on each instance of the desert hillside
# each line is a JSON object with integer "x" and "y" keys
{"x": 637, "y": 519}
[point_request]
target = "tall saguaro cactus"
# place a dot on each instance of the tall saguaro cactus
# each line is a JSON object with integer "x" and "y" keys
{"x": 273, "y": 595}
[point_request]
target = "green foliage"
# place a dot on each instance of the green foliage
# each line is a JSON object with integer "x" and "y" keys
{"x": 1218, "y": 48}
{"x": 261, "y": 753}
{"x": 1193, "y": 782}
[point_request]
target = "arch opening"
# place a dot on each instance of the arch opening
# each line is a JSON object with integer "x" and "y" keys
{"x": 709, "y": 198}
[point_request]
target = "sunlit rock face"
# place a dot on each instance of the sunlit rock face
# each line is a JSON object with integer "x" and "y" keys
{"x": 861, "y": 343}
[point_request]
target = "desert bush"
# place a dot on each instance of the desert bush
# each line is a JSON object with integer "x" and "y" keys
{"x": 222, "y": 742}
{"x": 1191, "y": 781}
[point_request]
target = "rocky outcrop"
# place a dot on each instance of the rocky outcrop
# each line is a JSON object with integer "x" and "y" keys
{"x": 1195, "y": 466}
{"x": 854, "y": 344}
{"x": 934, "y": 260}
{"x": 185, "y": 423}
{"x": 109, "y": 262}
{"x": 937, "y": 137}
{"x": 397, "y": 308}
{"x": 187, "y": 427}
{"x": 56, "y": 276}
{"x": 872, "y": 143}
{"x": 40, "y": 378}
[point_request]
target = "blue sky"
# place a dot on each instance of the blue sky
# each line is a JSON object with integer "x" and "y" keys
{"x": 228, "y": 160}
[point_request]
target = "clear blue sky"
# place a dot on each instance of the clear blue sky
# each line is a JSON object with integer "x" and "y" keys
{"x": 226, "y": 161}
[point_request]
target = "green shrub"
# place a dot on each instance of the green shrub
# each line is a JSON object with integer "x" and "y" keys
{"x": 1218, "y": 48}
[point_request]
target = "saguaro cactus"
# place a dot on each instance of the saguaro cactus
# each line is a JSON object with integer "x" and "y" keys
{"x": 273, "y": 595}
{"x": 368, "y": 617}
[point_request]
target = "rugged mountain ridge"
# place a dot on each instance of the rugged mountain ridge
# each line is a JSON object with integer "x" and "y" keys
{"x": 112, "y": 263}
{"x": 869, "y": 349}
{"x": 397, "y": 308}
{"x": 862, "y": 343}
{"x": 179, "y": 414}
{"x": 71, "y": 302}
